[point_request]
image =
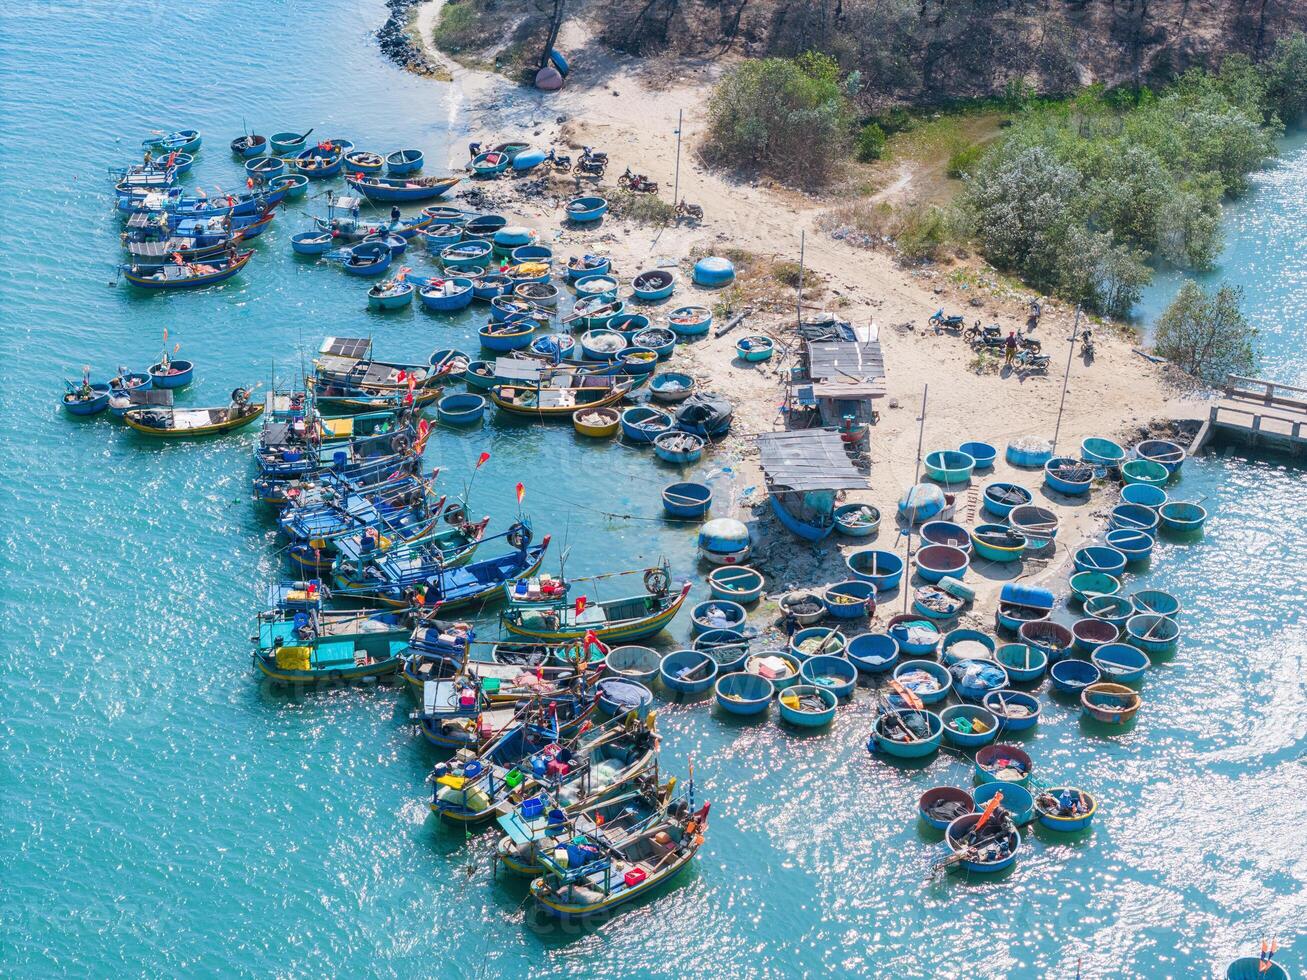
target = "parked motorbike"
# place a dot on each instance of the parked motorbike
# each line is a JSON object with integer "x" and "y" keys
{"x": 1087, "y": 343}
{"x": 1030, "y": 360}
{"x": 941, "y": 322}
{"x": 591, "y": 163}
{"x": 989, "y": 336}
{"x": 637, "y": 183}
{"x": 691, "y": 211}
{"x": 559, "y": 161}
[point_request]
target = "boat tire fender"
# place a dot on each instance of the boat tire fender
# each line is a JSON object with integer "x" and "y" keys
{"x": 657, "y": 581}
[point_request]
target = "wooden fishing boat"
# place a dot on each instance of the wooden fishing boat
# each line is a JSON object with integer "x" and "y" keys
{"x": 178, "y": 423}
{"x": 402, "y": 509}
{"x": 473, "y": 790}
{"x": 181, "y": 141}
{"x": 584, "y": 210}
{"x": 1069, "y": 476}
{"x": 634, "y": 617}
{"x": 547, "y": 402}
{"x": 906, "y": 734}
{"x": 597, "y": 423}
{"x": 653, "y": 285}
{"x": 440, "y": 572}
{"x": 593, "y": 881}
{"x": 998, "y": 543}
{"x": 401, "y": 189}
{"x": 172, "y": 201}
{"x": 313, "y": 646}
{"x": 807, "y": 705}
{"x": 187, "y": 275}
{"x": 1111, "y": 704}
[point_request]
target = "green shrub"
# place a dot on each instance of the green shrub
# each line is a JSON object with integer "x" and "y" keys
{"x": 963, "y": 161}
{"x": 1206, "y": 334}
{"x": 871, "y": 143}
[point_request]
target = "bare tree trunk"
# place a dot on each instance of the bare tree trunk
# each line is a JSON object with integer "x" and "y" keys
{"x": 555, "y": 25}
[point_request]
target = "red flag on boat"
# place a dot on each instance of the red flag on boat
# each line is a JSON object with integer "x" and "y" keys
{"x": 484, "y": 458}
{"x": 990, "y": 807}
{"x": 521, "y": 492}
{"x": 580, "y": 604}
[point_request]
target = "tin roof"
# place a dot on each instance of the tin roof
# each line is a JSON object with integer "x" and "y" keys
{"x": 808, "y": 459}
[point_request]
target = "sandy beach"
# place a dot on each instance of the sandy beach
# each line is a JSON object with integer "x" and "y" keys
{"x": 630, "y": 109}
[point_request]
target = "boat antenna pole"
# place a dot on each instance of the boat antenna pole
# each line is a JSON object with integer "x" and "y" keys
{"x": 916, "y": 478}
{"x": 676, "y": 181}
{"x": 1071, "y": 350}
{"x": 798, "y": 291}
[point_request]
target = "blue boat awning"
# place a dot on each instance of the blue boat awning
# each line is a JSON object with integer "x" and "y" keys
{"x": 808, "y": 459}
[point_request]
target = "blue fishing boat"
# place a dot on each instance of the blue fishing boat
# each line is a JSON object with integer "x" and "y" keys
{"x": 968, "y": 726}
{"x": 1137, "y": 546}
{"x": 1087, "y": 584}
{"x": 982, "y": 452}
{"x": 873, "y": 653}
{"x": 1015, "y": 710}
{"x": 655, "y": 284}
{"x": 1145, "y": 471}
{"x": 927, "y": 681}
{"x": 1144, "y": 494}
{"x": 1069, "y": 476}
{"x": 1073, "y": 676}
{"x": 466, "y": 254}
{"x": 1017, "y": 800}
{"x": 1114, "y": 609}
{"x": 265, "y": 168}
{"x": 906, "y": 734}
{"x": 1065, "y": 809}
{"x": 504, "y": 337}
{"x": 813, "y": 641}
{"x": 1182, "y": 517}
{"x": 1121, "y": 663}
{"x": 402, "y": 189}
{"x": 319, "y": 162}
{"x": 807, "y": 705}
{"x": 883, "y": 569}
{"x": 87, "y": 398}
{"x": 979, "y": 646}
{"x": 922, "y": 501}
{"x": 1029, "y": 453}
{"x": 973, "y": 680}
{"x": 461, "y": 409}
{"x": 290, "y": 185}
{"x": 1000, "y": 498}
{"x": 249, "y": 145}
{"x": 1157, "y": 636}
{"x": 1096, "y": 558}
{"x": 400, "y": 163}
{"x": 312, "y": 242}
{"x": 365, "y": 259}
{"x": 754, "y": 348}
{"x": 181, "y": 141}
{"x": 581, "y": 266}
{"x": 1053, "y": 638}
{"x": 1021, "y": 604}
{"x": 586, "y": 209}
{"x": 1168, "y": 454}
{"x": 998, "y": 543}
{"x": 738, "y": 583}
{"x": 528, "y": 159}
{"x": 446, "y": 295}
{"x": 1024, "y": 664}
{"x": 596, "y": 285}
{"x": 982, "y": 852}
{"x": 729, "y": 647}
{"x": 687, "y": 500}
{"x": 642, "y": 423}
{"x": 679, "y": 448}
{"x": 634, "y": 663}
{"x": 1038, "y": 524}
{"x": 940, "y": 806}
{"x": 660, "y": 340}
{"x": 949, "y": 466}
{"x": 713, "y": 271}
{"x": 1110, "y": 704}
{"x": 288, "y": 144}
{"x": 937, "y": 561}
{"x": 392, "y": 294}
{"x": 364, "y": 163}
{"x": 946, "y": 533}
{"x": 1155, "y": 602}
{"x": 689, "y": 321}
{"x": 848, "y": 600}
{"x": 743, "y": 693}
{"x": 489, "y": 164}
{"x": 688, "y": 671}
{"x": 1133, "y": 517}
{"x": 1005, "y": 763}
{"x": 1101, "y": 452}
{"x": 833, "y": 673}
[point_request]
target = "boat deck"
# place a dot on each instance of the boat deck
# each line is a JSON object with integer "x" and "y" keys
{"x": 1257, "y": 413}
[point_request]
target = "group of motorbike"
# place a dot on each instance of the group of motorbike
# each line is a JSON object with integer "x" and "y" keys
{"x": 593, "y": 163}
{"x": 1029, "y": 355}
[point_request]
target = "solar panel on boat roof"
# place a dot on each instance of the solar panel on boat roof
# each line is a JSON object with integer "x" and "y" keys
{"x": 518, "y": 368}
{"x": 346, "y": 346}
{"x": 150, "y": 396}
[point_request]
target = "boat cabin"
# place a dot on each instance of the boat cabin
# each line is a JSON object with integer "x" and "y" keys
{"x": 804, "y": 469}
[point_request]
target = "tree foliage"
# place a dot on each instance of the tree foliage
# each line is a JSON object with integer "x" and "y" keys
{"x": 785, "y": 117}
{"x": 1206, "y": 334}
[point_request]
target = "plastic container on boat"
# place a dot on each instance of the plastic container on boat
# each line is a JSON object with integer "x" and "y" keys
{"x": 961, "y": 722}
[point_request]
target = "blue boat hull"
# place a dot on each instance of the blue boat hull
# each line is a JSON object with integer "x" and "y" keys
{"x": 809, "y": 532}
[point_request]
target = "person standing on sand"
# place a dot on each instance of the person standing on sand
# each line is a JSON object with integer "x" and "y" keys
{"x": 1010, "y": 348}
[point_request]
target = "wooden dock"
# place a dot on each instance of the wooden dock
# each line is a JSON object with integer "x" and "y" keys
{"x": 1259, "y": 414}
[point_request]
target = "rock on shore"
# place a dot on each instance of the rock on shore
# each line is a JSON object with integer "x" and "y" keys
{"x": 397, "y": 42}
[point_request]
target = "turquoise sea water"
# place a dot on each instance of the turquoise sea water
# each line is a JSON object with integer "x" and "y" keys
{"x": 165, "y": 813}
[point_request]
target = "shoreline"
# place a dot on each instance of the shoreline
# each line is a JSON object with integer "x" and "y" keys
{"x": 632, "y": 115}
